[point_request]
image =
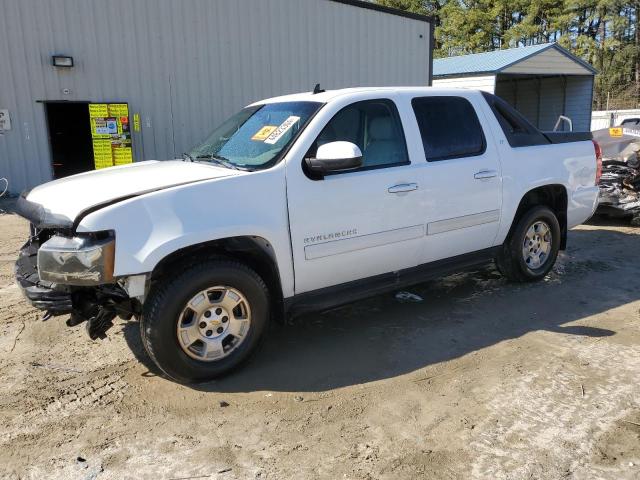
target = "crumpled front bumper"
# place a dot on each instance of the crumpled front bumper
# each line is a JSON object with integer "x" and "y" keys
{"x": 56, "y": 299}
{"x": 96, "y": 305}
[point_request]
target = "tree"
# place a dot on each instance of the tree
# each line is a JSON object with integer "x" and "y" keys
{"x": 605, "y": 33}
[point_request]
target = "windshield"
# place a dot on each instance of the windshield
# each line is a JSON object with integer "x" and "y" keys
{"x": 256, "y": 136}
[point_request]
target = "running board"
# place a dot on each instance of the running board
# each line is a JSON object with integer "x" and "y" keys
{"x": 337, "y": 295}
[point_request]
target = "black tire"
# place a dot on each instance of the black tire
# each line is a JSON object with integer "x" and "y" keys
{"x": 169, "y": 296}
{"x": 511, "y": 262}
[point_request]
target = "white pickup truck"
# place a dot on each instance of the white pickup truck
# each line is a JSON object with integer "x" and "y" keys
{"x": 300, "y": 203}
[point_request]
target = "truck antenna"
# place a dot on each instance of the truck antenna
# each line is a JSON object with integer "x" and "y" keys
{"x": 317, "y": 89}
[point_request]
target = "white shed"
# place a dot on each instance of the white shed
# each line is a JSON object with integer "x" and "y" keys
{"x": 541, "y": 81}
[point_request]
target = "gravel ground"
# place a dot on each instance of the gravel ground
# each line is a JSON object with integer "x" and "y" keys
{"x": 482, "y": 379}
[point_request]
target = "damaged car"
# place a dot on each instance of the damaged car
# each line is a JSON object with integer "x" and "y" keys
{"x": 620, "y": 182}
{"x": 303, "y": 203}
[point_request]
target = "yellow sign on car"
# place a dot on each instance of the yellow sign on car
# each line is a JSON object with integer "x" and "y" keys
{"x": 262, "y": 134}
{"x": 615, "y": 131}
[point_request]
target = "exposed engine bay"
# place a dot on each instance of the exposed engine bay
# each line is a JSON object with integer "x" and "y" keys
{"x": 620, "y": 181}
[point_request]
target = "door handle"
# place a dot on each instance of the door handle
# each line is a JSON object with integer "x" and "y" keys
{"x": 403, "y": 187}
{"x": 485, "y": 174}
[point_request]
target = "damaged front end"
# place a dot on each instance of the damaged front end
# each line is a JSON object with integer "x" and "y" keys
{"x": 620, "y": 181}
{"x": 65, "y": 274}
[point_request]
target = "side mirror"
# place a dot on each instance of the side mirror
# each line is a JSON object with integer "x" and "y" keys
{"x": 335, "y": 157}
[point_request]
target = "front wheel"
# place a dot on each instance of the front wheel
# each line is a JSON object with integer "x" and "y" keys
{"x": 530, "y": 252}
{"x": 206, "y": 321}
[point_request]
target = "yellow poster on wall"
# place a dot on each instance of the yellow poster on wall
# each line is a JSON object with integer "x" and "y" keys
{"x": 111, "y": 134}
{"x": 136, "y": 122}
{"x": 98, "y": 110}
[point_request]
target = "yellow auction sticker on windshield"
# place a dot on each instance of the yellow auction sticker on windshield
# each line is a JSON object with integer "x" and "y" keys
{"x": 262, "y": 134}
{"x": 282, "y": 129}
{"x": 615, "y": 132}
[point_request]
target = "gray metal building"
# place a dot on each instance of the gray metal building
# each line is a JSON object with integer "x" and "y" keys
{"x": 179, "y": 68}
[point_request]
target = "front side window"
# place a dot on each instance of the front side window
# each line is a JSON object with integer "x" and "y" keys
{"x": 449, "y": 127}
{"x": 255, "y": 137}
{"x": 375, "y": 127}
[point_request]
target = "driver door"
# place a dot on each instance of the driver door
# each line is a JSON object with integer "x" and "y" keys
{"x": 357, "y": 224}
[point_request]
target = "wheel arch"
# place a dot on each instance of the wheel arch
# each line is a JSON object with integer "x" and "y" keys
{"x": 555, "y": 197}
{"x": 254, "y": 251}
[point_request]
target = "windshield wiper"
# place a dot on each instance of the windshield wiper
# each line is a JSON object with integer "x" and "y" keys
{"x": 217, "y": 159}
{"x": 187, "y": 156}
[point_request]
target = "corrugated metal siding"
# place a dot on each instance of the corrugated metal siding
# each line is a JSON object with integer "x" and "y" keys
{"x": 551, "y": 102}
{"x": 579, "y": 99}
{"x": 185, "y": 66}
{"x": 543, "y": 100}
{"x": 527, "y": 98}
{"x": 486, "y": 83}
{"x": 506, "y": 89}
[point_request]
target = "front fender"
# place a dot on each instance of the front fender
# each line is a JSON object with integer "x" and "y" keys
{"x": 150, "y": 227}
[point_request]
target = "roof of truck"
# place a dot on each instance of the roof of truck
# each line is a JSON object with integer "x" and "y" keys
{"x": 330, "y": 95}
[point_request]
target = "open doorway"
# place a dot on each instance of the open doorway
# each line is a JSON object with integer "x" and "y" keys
{"x": 69, "y": 137}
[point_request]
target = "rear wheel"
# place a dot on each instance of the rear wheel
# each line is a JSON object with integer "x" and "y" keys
{"x": 532, "y": 248}
{"x": 206, "y": 321}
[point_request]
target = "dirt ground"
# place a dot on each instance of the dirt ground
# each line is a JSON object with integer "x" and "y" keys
{"x": 482, "y": 379}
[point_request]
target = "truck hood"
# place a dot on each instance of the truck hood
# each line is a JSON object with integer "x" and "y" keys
{"x": 59, "y": 203}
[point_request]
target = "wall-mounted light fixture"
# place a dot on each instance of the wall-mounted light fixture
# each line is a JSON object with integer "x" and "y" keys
{"x": 62, "y": 61}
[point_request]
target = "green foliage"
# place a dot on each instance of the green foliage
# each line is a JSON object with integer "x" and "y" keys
{"x": 605, "y": 33}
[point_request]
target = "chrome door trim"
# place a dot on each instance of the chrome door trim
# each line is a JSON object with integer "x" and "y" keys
{"x": 466, "y": 221}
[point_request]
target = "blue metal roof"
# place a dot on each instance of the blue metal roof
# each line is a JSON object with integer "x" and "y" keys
{"x": 496, "y": 61}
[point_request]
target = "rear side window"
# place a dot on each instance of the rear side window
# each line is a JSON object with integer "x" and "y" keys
{"x": 519, "y": 132}
{"x": 449, "y": 128}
